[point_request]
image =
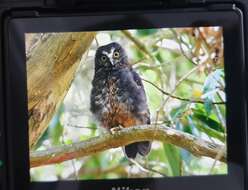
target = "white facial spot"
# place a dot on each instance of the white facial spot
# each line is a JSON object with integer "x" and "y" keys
{"x": 110, "y": 55}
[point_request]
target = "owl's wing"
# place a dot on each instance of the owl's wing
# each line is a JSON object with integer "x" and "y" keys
{"x": 137, "y": 79}
{"x": 140, "y": 99}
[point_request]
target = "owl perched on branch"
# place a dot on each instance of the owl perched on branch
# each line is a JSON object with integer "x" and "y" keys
{"x": 118, "y": 97}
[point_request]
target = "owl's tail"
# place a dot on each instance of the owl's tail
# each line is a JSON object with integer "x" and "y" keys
{"x": 143, "y": 148}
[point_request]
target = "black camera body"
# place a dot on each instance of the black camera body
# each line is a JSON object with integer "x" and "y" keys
{"x": 9, "y": 171}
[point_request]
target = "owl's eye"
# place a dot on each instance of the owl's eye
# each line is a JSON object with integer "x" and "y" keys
{"x": 116, "y": 54}
{"x": 104, "y": 58}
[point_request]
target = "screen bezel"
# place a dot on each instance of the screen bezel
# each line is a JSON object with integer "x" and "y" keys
{"x": 16, "y": 92}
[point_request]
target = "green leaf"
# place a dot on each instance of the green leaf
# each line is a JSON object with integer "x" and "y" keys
{"x": 208, "y": 106}
{"x": 44, "y": 137}
{"x": 159, "y": 57}
{"x": 57, "y": 133}
{"x": 164, "y": 55}
{"x": 179, "y": 111}
{"x": 68, "y": 141}
{"x": 146, "y": 32}
{"x": 208, "y": 125}
{"x": 174, "y": 159}
{"x": 211, "y": 123}
{"x": 211, "y": 132}
{"x": 137, "y": 54}
{"x": 189, "y": 128}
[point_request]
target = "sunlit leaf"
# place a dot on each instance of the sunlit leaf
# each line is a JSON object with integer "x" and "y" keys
{"x": 146, "y": 32}
{"x": 68, "y": 141}
{"x": 211, "y": 123}
{"x": 190, "y": 125}
{"x": 57, "y": 133}
{"x": 174, "y": 159}
{"x": 210, "y": 132}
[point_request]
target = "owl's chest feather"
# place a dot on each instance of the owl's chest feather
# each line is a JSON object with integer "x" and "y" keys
{"x": 113, "y": 103}
{"x": 109, "y": 96}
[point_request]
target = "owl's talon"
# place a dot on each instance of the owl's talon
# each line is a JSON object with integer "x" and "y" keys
{"x": 115, "y": 129}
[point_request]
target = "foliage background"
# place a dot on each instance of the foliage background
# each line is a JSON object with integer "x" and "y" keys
{"x": 186, "y": 63}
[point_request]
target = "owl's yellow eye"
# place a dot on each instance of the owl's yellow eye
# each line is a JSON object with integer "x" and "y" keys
{"x": 116, "y": 54}
{"x": 104, "y": 58}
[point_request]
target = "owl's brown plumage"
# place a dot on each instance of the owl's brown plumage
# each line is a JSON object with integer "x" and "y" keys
{"x": 118, "y": 97}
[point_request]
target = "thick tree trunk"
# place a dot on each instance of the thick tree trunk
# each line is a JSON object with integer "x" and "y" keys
{"x": 51, "y": 66}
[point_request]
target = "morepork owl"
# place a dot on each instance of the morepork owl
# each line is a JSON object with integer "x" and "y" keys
{"x": 118, "y": 97}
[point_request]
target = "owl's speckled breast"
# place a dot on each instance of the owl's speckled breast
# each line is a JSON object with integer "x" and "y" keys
{"x": 112, "y": 102}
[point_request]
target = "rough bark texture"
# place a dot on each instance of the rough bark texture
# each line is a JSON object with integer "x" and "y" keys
{"x": 195, "y": 145}
{"x": 51, "y": 66}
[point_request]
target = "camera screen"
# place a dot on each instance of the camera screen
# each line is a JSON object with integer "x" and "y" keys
{"x": 139, "y": 103}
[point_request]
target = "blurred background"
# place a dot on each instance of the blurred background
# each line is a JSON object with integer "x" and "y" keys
{"x": 183, "y": 74}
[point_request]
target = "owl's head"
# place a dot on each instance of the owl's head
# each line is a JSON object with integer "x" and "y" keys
{"x": 111, "y": 56}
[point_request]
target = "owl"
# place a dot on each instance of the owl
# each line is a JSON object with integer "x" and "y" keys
{"x": 118, "y": 97}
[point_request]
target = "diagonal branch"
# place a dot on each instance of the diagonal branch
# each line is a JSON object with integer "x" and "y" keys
{"x": 138, "y": 43}
{"x": 180, "y": 98}
{"x": 195, "y": 145}
{"x": 179, "y": 41}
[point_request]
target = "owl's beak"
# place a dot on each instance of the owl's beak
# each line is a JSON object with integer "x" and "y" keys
{"x": 112, "y": 62}
{"x": 111, "y": 59}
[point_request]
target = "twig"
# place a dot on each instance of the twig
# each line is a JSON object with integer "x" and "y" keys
{"x": 220, "y": 154}
{"x": 195, "y": 145}
{"x": 97, "y": 43}
{"x": 179, "y": 41}
{"x": 138, "y": 61}
{"x": 160, "y": 109}
{"x": 203, "y": 39}
{"x": 177, "y": 84}
{"x": 177, "y": 97}
{"x": 138, "y": 43}
{"x": 81, "y": 127}
{"x": 145, "y": 169}
{"x": 193, "y": 81}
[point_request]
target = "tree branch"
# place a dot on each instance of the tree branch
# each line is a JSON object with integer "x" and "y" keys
{"x": 179, "y": 98}
{"x": 138, "y": 43}
{"x": 196, "y": 146}
{"x": 179, "y": 41}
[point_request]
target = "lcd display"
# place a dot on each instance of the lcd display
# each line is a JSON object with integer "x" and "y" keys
{"x": 139, "y": 103}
